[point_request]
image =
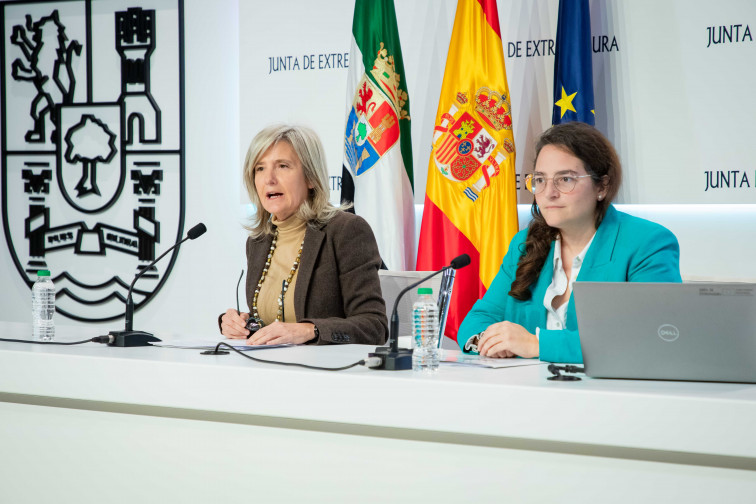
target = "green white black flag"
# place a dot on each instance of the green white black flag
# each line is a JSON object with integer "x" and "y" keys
{"x": 377, "y": 170}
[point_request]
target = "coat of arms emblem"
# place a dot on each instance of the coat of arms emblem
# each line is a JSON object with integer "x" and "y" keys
{"x": 465, "y": 149}
{"x": 373, "y": 123}
{"x": 92, "y": 146}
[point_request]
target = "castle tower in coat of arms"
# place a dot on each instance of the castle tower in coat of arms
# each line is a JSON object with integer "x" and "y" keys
{"x": 93, "y": 167}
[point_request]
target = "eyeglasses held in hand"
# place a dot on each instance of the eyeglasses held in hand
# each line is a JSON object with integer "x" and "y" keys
{"x": 564, "y": 182}
{"x": 281, "y": 302}
{"x": 253, "y": 325}
{"x": 238, "y": 283}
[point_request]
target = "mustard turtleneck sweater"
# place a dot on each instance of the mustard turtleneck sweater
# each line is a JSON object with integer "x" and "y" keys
{"x": 290, "y": 235}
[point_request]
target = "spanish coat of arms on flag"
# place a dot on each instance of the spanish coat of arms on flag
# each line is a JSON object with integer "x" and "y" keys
{"x": 471, "y": 201}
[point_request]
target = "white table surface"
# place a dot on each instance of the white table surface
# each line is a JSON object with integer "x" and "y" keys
{"x": 710, "y": 419}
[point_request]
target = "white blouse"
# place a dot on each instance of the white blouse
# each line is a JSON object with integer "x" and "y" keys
{"x": 557, "y": 318}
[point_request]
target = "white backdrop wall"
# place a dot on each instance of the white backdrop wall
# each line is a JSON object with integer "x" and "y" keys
{"x": 672, "y": 84}
{"x": 673, "y": 107}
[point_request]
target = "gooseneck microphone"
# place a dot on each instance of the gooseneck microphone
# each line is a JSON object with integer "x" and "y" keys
{"x": 396, "y": 359}
{"x": 129, "y": 337}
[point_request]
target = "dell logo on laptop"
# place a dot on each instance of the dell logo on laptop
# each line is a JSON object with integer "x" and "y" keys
{"x": 668, "y": 332}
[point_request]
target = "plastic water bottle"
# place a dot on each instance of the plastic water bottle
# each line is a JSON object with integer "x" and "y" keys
{"x": 425, "y": 332}
{"x": 43, "y": 307}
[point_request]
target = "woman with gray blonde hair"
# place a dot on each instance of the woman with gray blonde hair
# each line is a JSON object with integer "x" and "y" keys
{"x": 312, "y": 268}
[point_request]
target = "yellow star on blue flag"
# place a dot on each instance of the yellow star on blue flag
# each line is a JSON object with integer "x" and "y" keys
{"x": 565, "y": 103}
{"x": 573, "y": 67}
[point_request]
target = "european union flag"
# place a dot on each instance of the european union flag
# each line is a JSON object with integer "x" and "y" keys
{"x": 573, "y": 68}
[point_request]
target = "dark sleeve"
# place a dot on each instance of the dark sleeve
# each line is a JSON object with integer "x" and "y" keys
{"x": 358, "y": 261}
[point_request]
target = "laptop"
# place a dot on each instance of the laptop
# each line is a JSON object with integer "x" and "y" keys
{"x": 698, "y": 331}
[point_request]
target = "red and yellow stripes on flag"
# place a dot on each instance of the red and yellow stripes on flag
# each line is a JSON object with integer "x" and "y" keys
{"x": 471, "y": 200}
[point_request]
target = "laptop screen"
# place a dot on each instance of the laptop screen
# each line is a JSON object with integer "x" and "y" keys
{"x": 692, "y": 331}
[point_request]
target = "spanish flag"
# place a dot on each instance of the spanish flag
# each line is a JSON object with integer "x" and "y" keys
{"x": 471, "y": 200}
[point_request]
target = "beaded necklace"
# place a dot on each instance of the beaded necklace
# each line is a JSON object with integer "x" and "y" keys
{"x": 294, "y": 267}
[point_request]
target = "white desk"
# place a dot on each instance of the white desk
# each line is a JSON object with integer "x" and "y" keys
{"x": 93, "y": 423}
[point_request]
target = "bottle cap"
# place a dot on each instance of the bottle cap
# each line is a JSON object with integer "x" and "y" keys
{"x": 43, "y": 273}
{"x": 424, "y": 290}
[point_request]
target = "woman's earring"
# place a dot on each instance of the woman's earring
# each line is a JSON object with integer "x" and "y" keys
{"x": 601, "y": 196}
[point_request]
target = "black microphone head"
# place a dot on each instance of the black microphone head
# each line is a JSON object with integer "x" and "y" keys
{"x": 460, "y": 261}
{"x": 200, "y": 229}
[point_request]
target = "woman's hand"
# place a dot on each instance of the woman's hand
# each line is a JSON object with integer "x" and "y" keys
{"x": 283, "y": 332}
{"x": 506, "y": 339}
{"x": 233, "y": 324}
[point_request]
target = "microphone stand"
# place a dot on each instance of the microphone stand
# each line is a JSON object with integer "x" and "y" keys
{"x": 128, "y": 337}
{"x": 393, "y": 357}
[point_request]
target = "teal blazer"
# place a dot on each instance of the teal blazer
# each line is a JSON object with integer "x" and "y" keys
{"x": 625, "y": 249}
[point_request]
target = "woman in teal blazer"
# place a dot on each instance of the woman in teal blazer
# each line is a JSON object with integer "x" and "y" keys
{"x": 528, "y": 310}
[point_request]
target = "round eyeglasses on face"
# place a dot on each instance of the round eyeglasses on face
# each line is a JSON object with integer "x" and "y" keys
{"x": 564, "y": 182}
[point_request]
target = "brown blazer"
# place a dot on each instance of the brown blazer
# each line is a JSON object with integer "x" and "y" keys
{"x": 337, "y": 286}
